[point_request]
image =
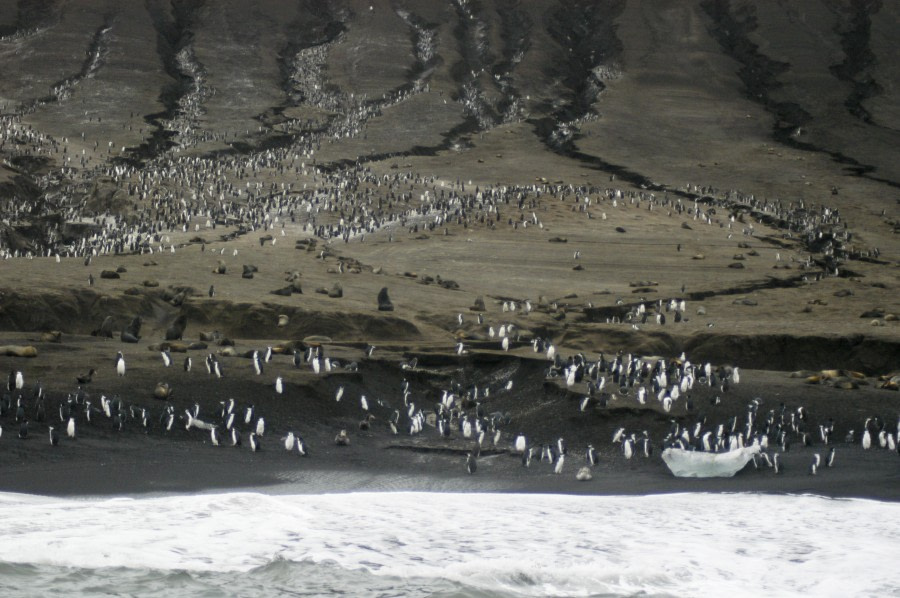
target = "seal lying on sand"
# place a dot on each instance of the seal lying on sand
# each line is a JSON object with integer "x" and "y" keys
{"x": 18, "y": 350}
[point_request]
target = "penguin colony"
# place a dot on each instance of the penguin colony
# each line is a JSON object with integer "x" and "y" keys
{"x": 177, "y": 193}
{"x": 460, "y": 418}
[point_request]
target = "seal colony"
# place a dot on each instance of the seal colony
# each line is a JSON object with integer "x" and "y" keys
{"x": 372, "y": 293}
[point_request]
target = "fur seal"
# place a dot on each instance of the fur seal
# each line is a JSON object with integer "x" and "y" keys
{"x": 52, "y": 336}
{"x": 384, "y": 302}
{"x": 162, "y": 391}
{"x": 132, "y": 332}
{"x": 176, "y": 330}
{"x": 18, "y": 350}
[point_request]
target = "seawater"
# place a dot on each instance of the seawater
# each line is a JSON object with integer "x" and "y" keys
{"x": 448, "y": 544}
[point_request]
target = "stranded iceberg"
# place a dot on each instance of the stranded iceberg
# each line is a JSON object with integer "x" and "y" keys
{"x": 698, "y": 464}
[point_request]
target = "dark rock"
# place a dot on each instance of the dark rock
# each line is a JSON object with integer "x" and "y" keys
{"x": 478, "y": 305}
{"x": 121, "y": 269}
{"x": 620, "y": 229}
{"x": 843, "y": 293}
{"x": 558, "y": 240}
{"x": 736, "y": 265}
{"x": 744, "y": 301}
{"x": 109, "y": 274}
{"x": 220, "y": 268}
{"x": 151, "y": 283}
{"x": 336, "y": 291}
{"x": 285, "y": 292}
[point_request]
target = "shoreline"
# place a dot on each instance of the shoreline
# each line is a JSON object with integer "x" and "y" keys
{"x": 857, "y": 475}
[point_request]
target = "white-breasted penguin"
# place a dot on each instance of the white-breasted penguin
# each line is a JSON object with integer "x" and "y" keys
{"x": 120, "y": 364}
{"x": 559, "y": 463}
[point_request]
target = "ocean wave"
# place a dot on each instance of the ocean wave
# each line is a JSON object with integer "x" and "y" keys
{"x": 442, "y": 543}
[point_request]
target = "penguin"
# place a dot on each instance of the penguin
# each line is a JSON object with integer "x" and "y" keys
{"x": 260, "y": 427}
{"x": 338, "y": 394}
{"x": 829, "y": 460}
{"x": 70, "y": 428}
{"x": 279, "y": 386}
{"x": 187, "y": 364}
{"x": 301, "y": 447}
{"x": 342, "y": 439}
{"x": 520, "y": 443}
{"x": 561, "y": 446}
{"x": 23, "y": 430}
{"x": 257, "y": 363}
{"x": 40, "y": 413}
{"x": 866, "y": 437}
{"x": 559, "y": 464}
{"x": 54, "y": 437}
{"x": 591, "y": 455}
{"x": 363, "y": 403}
{"x": 214, "y": 435}
{"x": 235, "y": 437}
{"x": 255, "y": 445}
{"x": 776, "y": 463}
{"x": 20, "y": 381}
{"x": 628, "y": 447}
{"x": 120, "y": 364}
{"x": 289, "y": 441}
{"x": 166, "y": 357}
{"x": 471, "y": 464}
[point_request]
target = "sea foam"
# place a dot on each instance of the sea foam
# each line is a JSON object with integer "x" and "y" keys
{"x": 510, "y": 544}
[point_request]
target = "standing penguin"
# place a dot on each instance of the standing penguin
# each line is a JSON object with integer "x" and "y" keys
{"x": 559, "y": 464}
{"x": 120, "y": 364}
{"x": 471, "y": 464}
{"x": 54, "y": 437}
{"x": 591, "y": 456}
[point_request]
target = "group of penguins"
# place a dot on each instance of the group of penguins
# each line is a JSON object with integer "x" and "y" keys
{"x": 667, "y": 381}
{"x": 464, "y": 410}
{"x": 77, "y": 409}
